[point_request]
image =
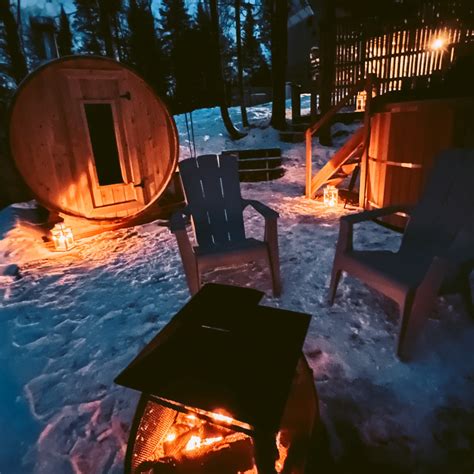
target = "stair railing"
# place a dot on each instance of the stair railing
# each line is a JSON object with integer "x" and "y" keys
{"x": 367, "y": 84}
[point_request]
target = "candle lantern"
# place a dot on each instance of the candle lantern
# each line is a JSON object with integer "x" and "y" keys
{"x": 361, "y": 101}
{"x": 62, "y": 237}
{"x": 331, "y": 196}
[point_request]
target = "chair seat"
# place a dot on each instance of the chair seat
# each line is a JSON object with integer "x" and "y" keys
{"x": 238, "y": 246}
{"x": 393, "y": 274}
{"x": 231, "y": 254}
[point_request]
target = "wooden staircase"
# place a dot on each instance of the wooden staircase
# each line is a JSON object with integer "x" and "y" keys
{"x": 349, "y": 158}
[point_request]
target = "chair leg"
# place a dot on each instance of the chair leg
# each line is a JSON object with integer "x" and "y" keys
{"x": 193, "y": 277}
{"x": 192, "y": 273}
{"x": 274, "y": 263}
{"x": 190, "y": 264}
{"x": 335, "y": 279}
{"x": 414, "y": 312}
{"x": 271, "y": 237}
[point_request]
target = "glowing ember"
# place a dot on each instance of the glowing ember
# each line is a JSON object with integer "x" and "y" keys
{"x": 195, "y": 442}
{"x": 171, "y": 437}
{"x": 221, "y": 417}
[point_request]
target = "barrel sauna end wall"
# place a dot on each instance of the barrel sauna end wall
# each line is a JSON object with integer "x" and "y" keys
{"x": 404, "y": 141}
{"x": 92, "y": 141}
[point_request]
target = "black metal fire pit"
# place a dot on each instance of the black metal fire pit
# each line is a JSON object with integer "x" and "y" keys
{"x": 225, "y": 390}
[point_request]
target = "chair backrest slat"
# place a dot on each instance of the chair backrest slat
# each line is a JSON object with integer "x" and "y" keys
{"x": 212, "y": 188}
{"x": 446, "y": 204}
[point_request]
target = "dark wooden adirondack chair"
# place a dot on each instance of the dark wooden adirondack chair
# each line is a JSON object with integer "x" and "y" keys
{"x": 436, "y": 254}
{"x": 215, "y": 205}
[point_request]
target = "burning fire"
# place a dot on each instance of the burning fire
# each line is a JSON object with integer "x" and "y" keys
{"x": 222, "y": 418}
{"x": 195, "y": 442}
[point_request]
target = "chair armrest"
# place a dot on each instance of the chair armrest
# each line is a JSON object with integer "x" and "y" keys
{"x": 376, "y": 213}
{"x": 177, "y": 221}
{"x": 261, "y": 208}
{"x": 345, "y": 241}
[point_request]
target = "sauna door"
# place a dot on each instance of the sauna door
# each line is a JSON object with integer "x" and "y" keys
{"x": 101, "y": 145}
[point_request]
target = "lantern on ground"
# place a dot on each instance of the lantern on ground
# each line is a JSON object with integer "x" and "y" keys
{"x": 361, "y": 101}
{"x": 62, "y": 237}
{"x": 331, "y": 196}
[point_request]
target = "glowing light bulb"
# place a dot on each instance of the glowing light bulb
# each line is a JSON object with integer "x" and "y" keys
{"x": 438, "y": 43}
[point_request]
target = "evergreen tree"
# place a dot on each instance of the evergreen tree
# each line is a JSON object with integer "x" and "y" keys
{"x": 255, "y": 66}
{"x": 204, "y": 62}
{"x": 108, "y": 23}
{"x": 234, "y": 133}
{"x": 13, "y": 52}
{"x": 265, "y": 24}
{"x": 87, "y": 25}
{"x": 64, "y": 36}
{"x": 177, "y": 36}
{"x": 240, "y": 67}
{"x": 279, "y": 61}
{"x": 145, "y": 49}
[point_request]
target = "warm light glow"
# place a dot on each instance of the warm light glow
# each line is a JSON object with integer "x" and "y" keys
{"x": 361, "y": 101}
{"x": 438, "y": 43}
{"x": 62, "y": 237}
{"x": 221, "y": 417}
{"x": 331, "y": 196}
{"x": 195, "y": 442}
{"x": 194, "y": 439}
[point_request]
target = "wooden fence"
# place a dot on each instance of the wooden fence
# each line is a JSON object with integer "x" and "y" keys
{"x": 398, "y": 49}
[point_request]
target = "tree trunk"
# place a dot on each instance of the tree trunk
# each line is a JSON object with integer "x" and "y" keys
{"x": 233, "y": 132}
{"x": 279, "y": 60}
{"x": 13, "y": 42}
{"x": 328, "y": 60}
{"x": 243, "y": 110}
{"x": 106, "y": 29}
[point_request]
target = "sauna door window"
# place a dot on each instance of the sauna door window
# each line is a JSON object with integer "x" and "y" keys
{"x": 101, "y": 126}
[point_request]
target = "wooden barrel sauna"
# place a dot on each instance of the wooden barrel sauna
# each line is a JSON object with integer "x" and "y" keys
{"x": 92, "y": 140}
{"x": 405, "y": 138}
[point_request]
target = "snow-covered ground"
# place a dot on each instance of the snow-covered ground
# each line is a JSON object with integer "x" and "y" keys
{"x": 69, "y": 323}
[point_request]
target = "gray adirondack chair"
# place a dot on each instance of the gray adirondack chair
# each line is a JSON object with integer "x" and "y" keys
{"x": 436, "y": 254}
{"x": 215, "y": 205}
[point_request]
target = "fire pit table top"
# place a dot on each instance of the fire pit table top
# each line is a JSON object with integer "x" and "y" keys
{"x": 223, "y": 350}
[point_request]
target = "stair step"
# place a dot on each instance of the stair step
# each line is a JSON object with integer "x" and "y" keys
{"x": 258, "y": 164}
{"x": 349, "y": 168}
{"x": 335, "y": 181}
{"x": 253, "y": 153}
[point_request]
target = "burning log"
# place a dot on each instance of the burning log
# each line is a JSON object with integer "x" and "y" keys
{"x": 232, "y": 455}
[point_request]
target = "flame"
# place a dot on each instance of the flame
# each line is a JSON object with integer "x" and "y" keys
{"x": 195, "y": 442}
{"x": 171, "y": 437}
{"x": 221, "y": 417}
